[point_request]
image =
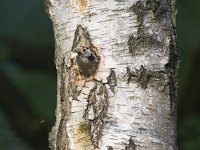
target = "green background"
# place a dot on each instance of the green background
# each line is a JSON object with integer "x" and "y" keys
{"x": 28, "y": 75}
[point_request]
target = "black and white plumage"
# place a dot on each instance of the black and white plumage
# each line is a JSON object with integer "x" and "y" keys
{"x": 86, "y": 60}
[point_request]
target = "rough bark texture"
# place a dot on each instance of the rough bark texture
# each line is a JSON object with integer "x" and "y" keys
{"x": 129, "y": 102}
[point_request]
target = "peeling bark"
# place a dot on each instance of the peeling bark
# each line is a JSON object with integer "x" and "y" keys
{"x": 128, "y": 101}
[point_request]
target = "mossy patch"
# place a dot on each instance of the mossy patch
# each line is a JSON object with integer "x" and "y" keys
{"x": 83, "y": 127}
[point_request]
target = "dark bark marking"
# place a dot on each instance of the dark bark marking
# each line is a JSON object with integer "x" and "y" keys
{"x": 98, "y": 101}
{"x": 159, "y": 8}
{"x": 141, "y": 76}
{"x": 172, "y": 68}
{"x": 100, "y": 109}
{"x": 129, "y": 74}
{"x": 159, "y": 79}
{"x": 110, "y": 148}
{"x": 145, "y": 77}
{"x": 143, "y": 41}
{"x": 131, "y": 145}
{"x": 164, "y": 15}
{"x": 112, "y": 80}
{"x": 91, "y": 101}
{"x": 138, "y": 8}
{"x": 81, "y": 37}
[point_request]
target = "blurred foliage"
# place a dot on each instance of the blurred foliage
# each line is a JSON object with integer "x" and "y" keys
{"x": 189, "y": 131}
{"x": 188, "y": 21}
{"x": 188, "y": 36}
{"x": 26, "y": 22}
{"x": 7, "y": 134}
{"x": 28, "y": 77}
{"x": 40, "y": 97}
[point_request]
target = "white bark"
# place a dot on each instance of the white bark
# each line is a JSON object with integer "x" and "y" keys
{"x": 129, "y": 103}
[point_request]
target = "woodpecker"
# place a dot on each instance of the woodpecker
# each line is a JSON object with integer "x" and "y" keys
{"x": 87, "y": 60}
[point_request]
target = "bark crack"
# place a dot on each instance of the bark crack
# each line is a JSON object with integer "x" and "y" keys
{"x": 112, "y": 80}
{"x": 98, "y": 104}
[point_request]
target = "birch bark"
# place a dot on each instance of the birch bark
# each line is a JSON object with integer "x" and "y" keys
{"x": 129, "y": 103}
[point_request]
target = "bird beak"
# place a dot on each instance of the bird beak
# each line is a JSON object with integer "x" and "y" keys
{"x": 74, "y": 55}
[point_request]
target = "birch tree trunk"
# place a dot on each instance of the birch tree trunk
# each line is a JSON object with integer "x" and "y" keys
{"x": 129, "y": 103}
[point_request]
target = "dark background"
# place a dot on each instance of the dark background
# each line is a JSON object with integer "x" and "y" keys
{"x": 28, "y": 75}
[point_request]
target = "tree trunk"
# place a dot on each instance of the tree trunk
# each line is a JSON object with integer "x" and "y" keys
{"x": 128, "y": 102}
